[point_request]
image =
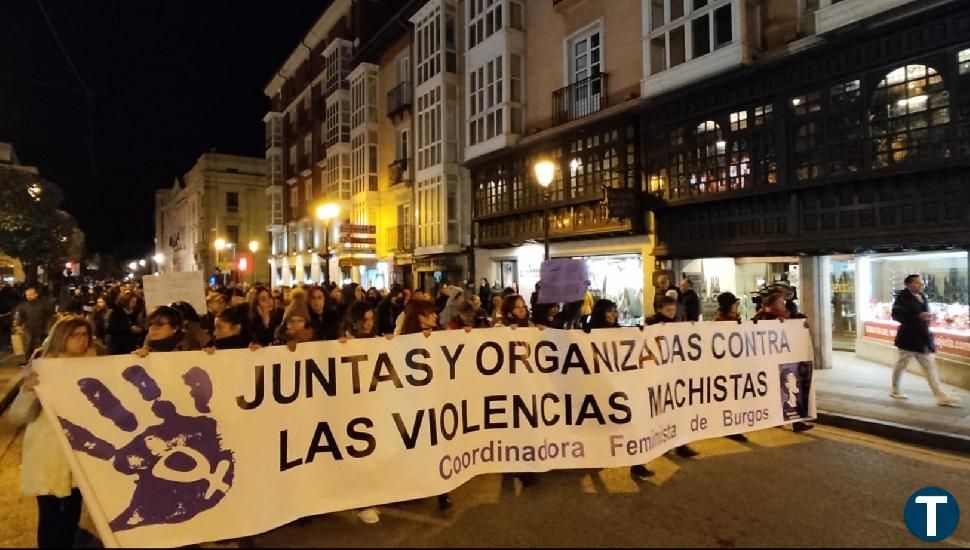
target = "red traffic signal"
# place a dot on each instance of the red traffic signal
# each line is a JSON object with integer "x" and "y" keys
{"x": 243, "y": 265}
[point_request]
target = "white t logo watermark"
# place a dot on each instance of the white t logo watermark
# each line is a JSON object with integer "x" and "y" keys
{"x": 931, "y": 502}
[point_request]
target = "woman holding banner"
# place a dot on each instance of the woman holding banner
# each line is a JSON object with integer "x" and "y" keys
{"x": 44, "y": 471}
{"x": 264, "y": 317}
{"x": 514, "y": 312}
{"x": 421, "y": 316}
{"x": 230, "y": 330}
{"x": 165, "y": 333}
{"x": 359, "y": 323}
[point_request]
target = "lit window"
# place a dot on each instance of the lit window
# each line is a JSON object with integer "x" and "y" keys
{"x": 963, "y": 58}
{"x": 910, "y": 111}
{"x": 739, "y": 121}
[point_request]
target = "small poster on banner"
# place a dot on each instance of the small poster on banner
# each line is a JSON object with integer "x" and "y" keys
{"x": 165, "y": 288}
{"x": 562, "y": 280}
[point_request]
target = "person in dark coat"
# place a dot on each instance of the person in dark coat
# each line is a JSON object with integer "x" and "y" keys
{"x": 264, "y": 317}
{"x": 215, "y": 303}
{"x": 727, "y": 307}
{"x": 914, "y": 340}
{"x": 124, "y": 330}
{"x": 165, "y": 333}
{"x": 690, "y": 301}
{"x": 34, "y": 317}
{"x": 604, "y": 315}
{"x": 389, "y": 309}
{"x": 323, "y": 316}
{"x": 441, "y": 300}
{"x": 666, "y": 313}
{"x": 230, "y": 329}
{"x": 485, "y": 292}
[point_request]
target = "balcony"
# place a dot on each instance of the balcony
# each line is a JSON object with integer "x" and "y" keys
{"x": 579, "y": 99}
{"x": 400, "y": 239}
{"x": 399, "y": 99}
{"x": 399, "y": 171}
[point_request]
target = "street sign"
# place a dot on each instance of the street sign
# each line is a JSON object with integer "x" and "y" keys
{"x": 358, "y": 240}
{"x": 622, "y": 202}
{"x": 368, "y": 229}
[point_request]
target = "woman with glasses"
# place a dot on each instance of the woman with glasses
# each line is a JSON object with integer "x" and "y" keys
{"x": 165, "y": 333}
{"x": 44, "y": 471}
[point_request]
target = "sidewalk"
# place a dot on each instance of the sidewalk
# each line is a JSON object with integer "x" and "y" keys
{"x": 854, "y": 394}
{"x": 10, "y": 376}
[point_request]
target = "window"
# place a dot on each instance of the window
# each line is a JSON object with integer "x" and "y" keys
{"x": 708, "y": 167}
{"x": 308, "y": 191}
{"x": 429, "y": 214}
{"x": 807, "y": 103}
{"x": 963, "y": 59}
{"x": 585, "y": 55}
{"x": 428, "y": 45}
{"x": 516, "y": 16}
{"x": 739, "y": 121}
{"x": 678, "y": 51}
{"x": 710, "y": 23}
{"x": 701, "y": 28}
{"x": 910, "y": 112}
{"x": 429, "y": 129}
{"x": 232, "y": 234}
{"x": 486, "y": 101}
{"x": 401, "y": 145}
{"x": 762, "y": 115}
{"x": 294, "y": 202}
{"x": 722, "y": 26}
{"x": 485, "y": 19}
{"x": 232, "y": 202}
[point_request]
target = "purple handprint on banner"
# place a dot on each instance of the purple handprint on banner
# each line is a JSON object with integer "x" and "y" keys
{"x": 180, "y": 466}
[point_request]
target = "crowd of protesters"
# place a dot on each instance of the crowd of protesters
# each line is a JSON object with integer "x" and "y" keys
{"x": 112, "y": 319}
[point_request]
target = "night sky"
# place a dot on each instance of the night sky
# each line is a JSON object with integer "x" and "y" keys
{"x": 169, "y": 80}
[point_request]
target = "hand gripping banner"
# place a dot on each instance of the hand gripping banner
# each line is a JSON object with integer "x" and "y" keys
{"x": 181, "y": 448}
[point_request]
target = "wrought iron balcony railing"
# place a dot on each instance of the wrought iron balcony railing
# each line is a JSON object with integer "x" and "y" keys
{"x": 581, "y": 98}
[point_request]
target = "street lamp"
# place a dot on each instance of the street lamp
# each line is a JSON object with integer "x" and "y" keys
{"x": 158, "y": 259}
{"x": 545, "y": 171}
{"x": 133, "y": 266}
{"x": 325, "y": 213}
{"x": 221, "y": 245}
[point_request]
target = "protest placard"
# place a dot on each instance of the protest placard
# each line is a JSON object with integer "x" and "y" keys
{"x": 165, "y": 288}
{"x": 562, "y": 280}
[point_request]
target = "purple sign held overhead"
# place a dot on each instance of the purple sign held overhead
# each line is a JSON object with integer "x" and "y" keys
{"x": 562, "y": 280}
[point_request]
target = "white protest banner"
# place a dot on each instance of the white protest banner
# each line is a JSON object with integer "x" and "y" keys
{"x": 562, "y": 280}
{"x": 165, "y": 288}
{"x": 180, "y": 448}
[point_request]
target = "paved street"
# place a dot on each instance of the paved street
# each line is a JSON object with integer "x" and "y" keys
{"x": 828, "y": 487}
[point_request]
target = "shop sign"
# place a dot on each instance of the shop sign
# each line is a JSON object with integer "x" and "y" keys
{"x": 621, "y": 202}
{"x": 368, "y": 229}
{"x": 947, "y": 341}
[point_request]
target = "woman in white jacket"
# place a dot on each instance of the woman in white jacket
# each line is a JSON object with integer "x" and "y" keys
{"x": 44, "y": 471}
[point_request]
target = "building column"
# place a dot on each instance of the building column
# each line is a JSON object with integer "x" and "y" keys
{"x": 815, "y": 301}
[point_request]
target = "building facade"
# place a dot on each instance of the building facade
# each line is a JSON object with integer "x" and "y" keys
{"x": 221, "y": 197}
{"x": 556, "y": 81}
{"x": 831, "y": 151}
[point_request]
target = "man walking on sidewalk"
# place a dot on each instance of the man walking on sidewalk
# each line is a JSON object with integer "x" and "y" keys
{"x": 913, "y": 339}
{"x": 33, "y": 319}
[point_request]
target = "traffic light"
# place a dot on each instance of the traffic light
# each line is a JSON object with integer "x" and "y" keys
{"x": 243, "y": 265}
